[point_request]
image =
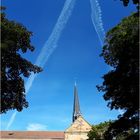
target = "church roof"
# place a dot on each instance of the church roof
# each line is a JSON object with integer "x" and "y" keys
{"x": 55, "y": 135}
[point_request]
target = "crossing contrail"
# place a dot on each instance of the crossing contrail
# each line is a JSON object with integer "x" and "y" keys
{"x": 49, "y": 46}
{"x": 96, "y": 16}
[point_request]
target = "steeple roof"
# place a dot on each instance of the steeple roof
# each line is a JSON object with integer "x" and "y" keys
{"x": 76, "y": 106}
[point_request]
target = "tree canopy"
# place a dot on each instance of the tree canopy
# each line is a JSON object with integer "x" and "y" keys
{"x": 126, "y": 2}
{"x": 121, "y": 84}
{"x": 15, "y": 40}
{"x": 97, "y": 131}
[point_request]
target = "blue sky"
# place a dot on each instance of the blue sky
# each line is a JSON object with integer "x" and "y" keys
{"x": 76, "y": 56}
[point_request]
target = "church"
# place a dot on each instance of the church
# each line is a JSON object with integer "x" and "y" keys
{"x": 79, "y": 127}
{"x": 76, "y": 131}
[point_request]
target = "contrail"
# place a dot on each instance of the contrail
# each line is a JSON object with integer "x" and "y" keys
{"x": 11, "y": 120}
{"x": 96, "y": 16}
{"x": 50, "y": 45}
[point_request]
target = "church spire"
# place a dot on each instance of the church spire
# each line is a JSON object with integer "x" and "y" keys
{"x": 76, "y": 106}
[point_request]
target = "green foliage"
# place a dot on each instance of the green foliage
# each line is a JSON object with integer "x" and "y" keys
{"x": 126, "y": 2}
{"x": 15, "y": 40}
{"x": 97, "y": 131}
{"x": 121, "y": 85}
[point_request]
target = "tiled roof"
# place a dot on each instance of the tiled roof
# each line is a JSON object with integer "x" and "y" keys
{"x": 32, "y": 135}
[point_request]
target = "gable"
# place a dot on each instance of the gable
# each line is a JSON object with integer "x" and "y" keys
{"x": 79, "y": 125}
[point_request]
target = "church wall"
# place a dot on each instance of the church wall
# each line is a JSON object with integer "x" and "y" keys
{"x": 78, "y": 130}
{"x": 76, "y": 136}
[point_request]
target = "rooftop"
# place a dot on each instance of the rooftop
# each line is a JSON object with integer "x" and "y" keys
{"x": 32, "y": 135}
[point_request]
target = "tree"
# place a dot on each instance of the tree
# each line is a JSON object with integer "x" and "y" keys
{"x": 126, "y": 2}
{"x": 121, "y": 85}
{"x": 15, "y": 40}
{"x": 97, "y": 131}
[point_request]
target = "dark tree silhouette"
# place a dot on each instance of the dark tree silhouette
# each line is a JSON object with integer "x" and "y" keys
{"x": 121, "y": 85}
{"x": 15, "y": 40}
{"x": 126, "y": 2}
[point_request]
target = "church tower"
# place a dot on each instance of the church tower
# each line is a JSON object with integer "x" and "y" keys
{"x": 76, "y": 106}
{"x": 80, "y": 127}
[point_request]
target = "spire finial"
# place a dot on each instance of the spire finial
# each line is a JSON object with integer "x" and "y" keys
{"x": 75, "y": 81}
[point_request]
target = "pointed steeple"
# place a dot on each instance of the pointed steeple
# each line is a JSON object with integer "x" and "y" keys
{"x": 76, "y": 106}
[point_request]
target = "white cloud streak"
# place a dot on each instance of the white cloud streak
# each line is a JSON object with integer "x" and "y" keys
{"x": 11, "y": 120}
{"x": 36, "y": 127}
{"x": 96, "y": 16}
{"x": 52, "y": 41}
{"x": 50, "y": 45}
